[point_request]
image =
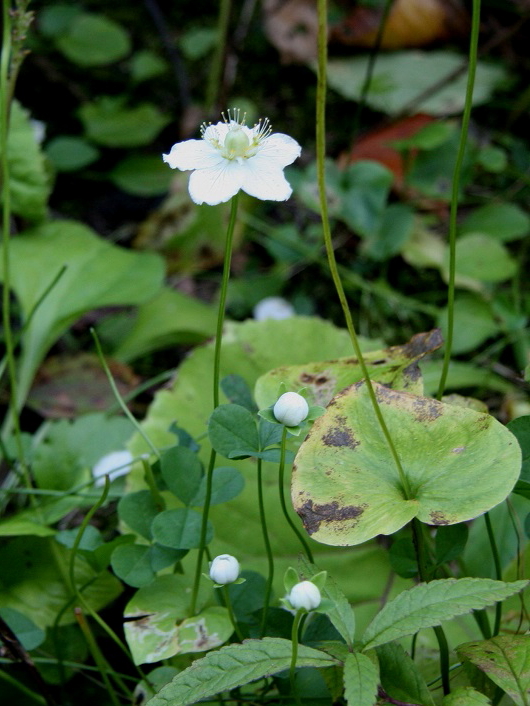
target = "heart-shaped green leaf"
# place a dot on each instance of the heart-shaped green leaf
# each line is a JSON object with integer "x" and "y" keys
{"x": 457, "y": 464}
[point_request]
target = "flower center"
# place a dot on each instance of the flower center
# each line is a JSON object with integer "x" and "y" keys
{"x": 236, "y": 142}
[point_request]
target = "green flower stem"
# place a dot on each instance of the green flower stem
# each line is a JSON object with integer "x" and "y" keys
{"x": 418, "y": 537}
{"x": 268, "y": 550}
{"x": 216, "y": 379}
{"x": 498, "y": 571}
{"x": 97, "y": 655}
{"x": 294, "y": 656}
{"x": 284, "y": 504}
{"x": 78, "y": 591}
{"x": 151, "y": 483}
{"x": 119, "y": 398}
{"x": 473, "y": 48}
{"x": 5, "y": 107}
{"x": 228, "y": 604}
{"x": 321, "y": 175}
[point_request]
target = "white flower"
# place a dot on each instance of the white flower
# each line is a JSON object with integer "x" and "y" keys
{"x": 305, "y": 595}
{"x": 114, "y": 464}
{"x": 232, "y": 156}
{"x": 273, "y": 308}
{"x": 291, "y": 409}
{"x": 224, "y": 569}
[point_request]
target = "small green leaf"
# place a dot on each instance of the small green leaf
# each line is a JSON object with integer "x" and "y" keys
{"x": 182, "y": 472}
{"x": 179, "y": 529}
{"x": 68, "y": 154}
{"x": 233, "y": 427}
{"x": 27, "y": 633}
{"x": 138, "y": 510}
{"x": 227, "y": 483}
{"x": 506, "y": 661}
{"x": 451, "y": 541}
{"x": 109, "y": 122}
{"x": 233, "y": 666}
{"x": 482, "y": 258}
{"x": 238, "y": 392}
{"x": 400, "y": 676}
{"x": 361, "y": 678}
{"x": 132, "y": 564}
{"x": 93, "y": 40}
{"x": 142, "y": 175}
{"x": 466, "y": 696}
{"x": 502, "y": 221}
{"x": 429, "y": 604}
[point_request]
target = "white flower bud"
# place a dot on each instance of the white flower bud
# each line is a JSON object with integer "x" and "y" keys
{"x": 114, "y": 464}
{"x": 291, "y": 409}
{"x": 224, "y": 569}
{"x": 273, "y": 308}
{"x": 305, "y": 595}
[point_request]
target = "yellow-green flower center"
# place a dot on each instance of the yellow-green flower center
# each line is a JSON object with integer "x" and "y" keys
{"x": 236, "y": 143}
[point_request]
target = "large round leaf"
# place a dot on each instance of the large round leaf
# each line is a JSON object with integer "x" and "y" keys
{"x": 347, "y": 489}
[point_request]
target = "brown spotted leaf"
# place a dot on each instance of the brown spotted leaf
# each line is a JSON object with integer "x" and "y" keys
{"x": 346, "y": 487}
{"x": 395, "y": 366}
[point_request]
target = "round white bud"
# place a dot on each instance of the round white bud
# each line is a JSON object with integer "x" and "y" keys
{"x": 305, "y": 595}
{"x": 224, "y": 569}
{"x": 291, "y": 409}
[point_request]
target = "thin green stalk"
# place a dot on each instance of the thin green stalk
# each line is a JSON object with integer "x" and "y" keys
{"x": 73, "y": 584}
{"x": 151, "y": 483}
{"x": 119, "y": 398}
{"x": 268, "y": 550}
{"x": 228, "y": 604}
{"x": 98, "y": 657}
{"x": 473, "y": 48}
{"x": 294, "y": 656}
{"x": 423, "y": 566}
{"x": 498, "y": 570}
{"x": 20, "y": 686}
{"x": 281, "y": 474}
{"x": 5, "y": 108}
{"x": 321, "y": 175}
{"x": 370, "y": 68}
{"x": 216, "y": 379}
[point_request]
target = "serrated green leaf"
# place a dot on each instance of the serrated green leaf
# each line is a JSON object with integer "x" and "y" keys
{"x": 429, "y": 604}
{"x": 341, "y": 614}
{"x": 466, "y": 696}
{"x": 361, "y": 678}
{"x": 29, "y": 182}
{"x": 234, "y": 665}
{"x": 506, "y": 661}
{"x": 400, "y": 677}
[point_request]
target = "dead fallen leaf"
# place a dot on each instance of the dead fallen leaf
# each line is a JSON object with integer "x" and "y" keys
{"x": 410, "y": 23}
{"x": 377, "y": 145}
{"x": 67, "y": 386}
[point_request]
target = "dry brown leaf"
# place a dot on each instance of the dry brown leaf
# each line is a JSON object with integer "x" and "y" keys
{"x": 411, "y": 23}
